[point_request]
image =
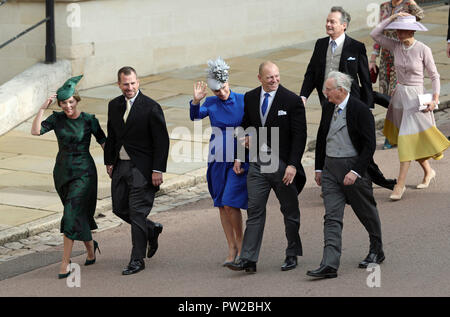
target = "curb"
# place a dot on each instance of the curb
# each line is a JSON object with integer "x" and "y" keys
{"x": 47, "y": 223}
{"x": 30, "y": 229}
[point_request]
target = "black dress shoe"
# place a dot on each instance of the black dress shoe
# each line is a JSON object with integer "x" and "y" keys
{"x": 323, "y": 272}
{"x": 290, "y": 263}
{"x": 64, "y": 275}
{"x": 134, "y": 267}
{"x": 153, "y": 242}
{"x": 242, "y": 265}
{"x": 90, "y": 262}
{"x": 372, "y": 258}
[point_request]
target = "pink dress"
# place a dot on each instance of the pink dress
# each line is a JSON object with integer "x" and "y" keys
{"x": 413, "y": 131}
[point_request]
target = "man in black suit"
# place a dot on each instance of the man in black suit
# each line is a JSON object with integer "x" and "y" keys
{"x": 276, "y": 119}
{"x": 136, "y": 154}
{"x": 339, "y": 52}
{"x": 344, "y": 148}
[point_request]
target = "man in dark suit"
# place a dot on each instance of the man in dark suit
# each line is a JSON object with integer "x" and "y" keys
{"x": 339, "y": 52}
{"x": 276, "y": 116}
{"x": 345, "y": 145}
{"x": 136, "y": 154}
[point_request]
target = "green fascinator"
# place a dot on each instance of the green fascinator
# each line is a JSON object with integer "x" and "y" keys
{"x": 68, "y": 89}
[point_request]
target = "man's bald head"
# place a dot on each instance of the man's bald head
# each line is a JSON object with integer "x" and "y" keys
{"x": 266, "y": 64}
{"x": 269, "y": 76}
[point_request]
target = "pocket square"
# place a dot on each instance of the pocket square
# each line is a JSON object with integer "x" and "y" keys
{"x": 351, "y": 59}
{"x": 282, "y": 113}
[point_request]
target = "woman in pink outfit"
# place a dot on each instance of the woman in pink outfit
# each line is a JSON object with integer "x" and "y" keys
{"x": 387, "y": 78}
{"x": 412, "y": 130}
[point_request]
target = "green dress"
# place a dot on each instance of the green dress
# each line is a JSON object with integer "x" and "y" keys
{"x": 75, "y": 174}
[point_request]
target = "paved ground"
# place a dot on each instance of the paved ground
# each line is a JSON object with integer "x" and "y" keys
{"x": 192, "y": 248}
{"x": 30, "y": 208}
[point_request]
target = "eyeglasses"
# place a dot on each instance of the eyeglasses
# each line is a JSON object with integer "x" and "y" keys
{"x": 326, "y": 89}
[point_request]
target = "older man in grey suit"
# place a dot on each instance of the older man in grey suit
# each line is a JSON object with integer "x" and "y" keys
{"x": 344, "y": 149}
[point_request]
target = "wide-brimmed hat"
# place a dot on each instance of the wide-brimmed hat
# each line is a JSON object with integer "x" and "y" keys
{"x": 406, "y": 23}
{"x": 217, "y": 73}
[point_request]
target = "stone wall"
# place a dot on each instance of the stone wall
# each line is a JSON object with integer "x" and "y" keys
{"x": 21, "y": 97}
{"x": 100, "y": 36}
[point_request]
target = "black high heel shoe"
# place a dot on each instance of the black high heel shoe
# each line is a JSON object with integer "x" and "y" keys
{"x": 64, "y": 275}
{"x": 90, "y": 262}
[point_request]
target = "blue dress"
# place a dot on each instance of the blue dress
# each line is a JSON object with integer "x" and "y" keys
{"x": 226, "y": 188}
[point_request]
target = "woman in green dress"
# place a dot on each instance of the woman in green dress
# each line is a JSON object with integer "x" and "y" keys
{"x": 74, "y": 174}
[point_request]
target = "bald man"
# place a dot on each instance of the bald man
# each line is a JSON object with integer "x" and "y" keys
{"x": 277, "y": 117}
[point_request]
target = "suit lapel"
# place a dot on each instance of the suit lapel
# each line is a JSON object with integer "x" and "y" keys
{"x": 350, "y": 112}
{"x": 345, "y": 47}
{"x": 120, "y": 111}
{"x": 328, "y": 115}
{"x": 255, "y": 107}
{"x": 323, "y": 57}
{"x": 133, "y": 112}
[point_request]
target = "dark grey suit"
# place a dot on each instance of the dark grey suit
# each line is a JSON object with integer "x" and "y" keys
{"x": 361, "y": 130}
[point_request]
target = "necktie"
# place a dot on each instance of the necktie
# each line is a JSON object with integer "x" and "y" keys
{"x": 265, "y": 103}
{"x": 337, "y": 111}
{"x": 127, "y": 111}
{"x": 333, "y": 46}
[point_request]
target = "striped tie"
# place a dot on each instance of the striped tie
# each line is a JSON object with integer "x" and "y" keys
{"x": 333, "y": 46}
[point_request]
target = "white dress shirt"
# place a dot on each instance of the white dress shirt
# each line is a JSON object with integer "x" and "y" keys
{"x": 339, "y": 41}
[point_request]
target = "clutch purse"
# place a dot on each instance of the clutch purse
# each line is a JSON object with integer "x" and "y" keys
{"x": 423, "y": 100}
{"x": 374, "y": 74}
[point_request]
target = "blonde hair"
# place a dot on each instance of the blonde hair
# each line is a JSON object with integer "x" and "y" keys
{"x": 75, "y": 96}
